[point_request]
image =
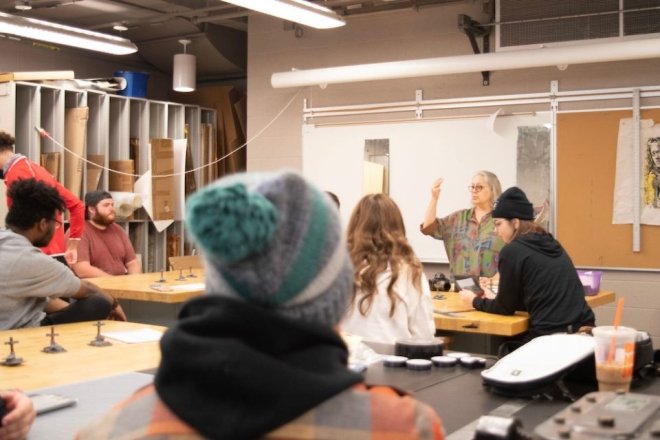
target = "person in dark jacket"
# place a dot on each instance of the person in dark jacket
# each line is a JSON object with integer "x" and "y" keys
{"x": 536, "y": 274}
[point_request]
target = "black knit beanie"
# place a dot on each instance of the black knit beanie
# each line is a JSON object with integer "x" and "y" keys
{"x": 513, "y": 203}
{"x": 93, "y": 198}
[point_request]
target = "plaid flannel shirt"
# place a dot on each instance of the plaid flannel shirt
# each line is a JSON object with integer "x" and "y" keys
{"x": 361, "y": 412}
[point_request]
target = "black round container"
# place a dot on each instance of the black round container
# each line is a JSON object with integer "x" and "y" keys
{"x": 418, "y": 348}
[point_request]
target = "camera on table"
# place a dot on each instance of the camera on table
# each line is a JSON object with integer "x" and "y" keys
{"x": 440, "y": 283}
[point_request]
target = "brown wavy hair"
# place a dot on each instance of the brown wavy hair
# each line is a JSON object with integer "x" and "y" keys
{"x": 376, "y": 238}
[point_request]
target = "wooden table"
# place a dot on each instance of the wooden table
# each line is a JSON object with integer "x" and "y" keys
{"x": 145, "y": 286}
{"x": 451, "y": 314}
{"x": 80, "y": 362}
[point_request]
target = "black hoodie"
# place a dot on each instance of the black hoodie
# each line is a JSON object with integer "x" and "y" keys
{"x": 538, "y": 276}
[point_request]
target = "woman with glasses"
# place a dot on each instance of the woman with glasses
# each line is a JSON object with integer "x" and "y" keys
{"x": 469, "y": 235}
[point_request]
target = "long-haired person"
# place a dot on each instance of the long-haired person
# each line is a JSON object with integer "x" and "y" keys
{"x": 536, "y": 273}
{"x": 469, "y": 236}
{"x": 392, "y": 299}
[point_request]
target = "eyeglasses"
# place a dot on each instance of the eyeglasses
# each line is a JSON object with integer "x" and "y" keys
{"x": 58, "y": 224}
{"x": 475, "y": 188}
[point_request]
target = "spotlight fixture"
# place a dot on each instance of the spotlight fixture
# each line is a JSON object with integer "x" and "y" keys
{"x": 184, "y": 72}
{"x": 67, "y": 35}
{"x": 298, "y": 11}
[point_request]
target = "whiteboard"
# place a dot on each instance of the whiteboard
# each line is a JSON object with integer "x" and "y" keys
{"x": 420, "y": 152}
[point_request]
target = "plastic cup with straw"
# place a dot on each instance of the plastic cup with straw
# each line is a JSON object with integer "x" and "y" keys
{"x": 615, "y": 354}
{"x": 617, "y": 321}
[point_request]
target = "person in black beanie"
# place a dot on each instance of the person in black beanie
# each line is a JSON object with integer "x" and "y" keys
{"x": 536, "y": 274}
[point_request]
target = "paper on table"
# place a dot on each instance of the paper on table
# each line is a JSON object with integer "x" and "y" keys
{"x": 135, "y": 336}
{"x": 162, "y": 287}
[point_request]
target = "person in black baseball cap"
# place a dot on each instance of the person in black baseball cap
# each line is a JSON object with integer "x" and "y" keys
{"x": 536, "y": 273}
{"x": 104, "y": 248}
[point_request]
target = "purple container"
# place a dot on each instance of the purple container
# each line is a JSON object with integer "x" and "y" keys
{"x": 591, "y": 281}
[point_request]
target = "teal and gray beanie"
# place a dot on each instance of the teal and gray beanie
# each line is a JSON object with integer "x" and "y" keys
{"x": 274, "y": 240}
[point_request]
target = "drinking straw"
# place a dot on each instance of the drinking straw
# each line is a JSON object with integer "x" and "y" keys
{"x": 617, "y": 321}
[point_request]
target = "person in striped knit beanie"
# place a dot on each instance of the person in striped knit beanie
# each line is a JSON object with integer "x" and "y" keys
{"x": 258, "y": 355}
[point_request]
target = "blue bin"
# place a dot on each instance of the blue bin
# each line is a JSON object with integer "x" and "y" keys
{"x": 136, "y": 83}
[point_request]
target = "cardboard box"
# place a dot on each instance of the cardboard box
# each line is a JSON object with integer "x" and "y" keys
{"x": 75, "y": 134}
{"x": 162, "y": 188}
{"x": 51, "y": 162}
{"x": 134, "y": 153}
{"x": 94, "y": 171}
{"x": 121, "y": 182}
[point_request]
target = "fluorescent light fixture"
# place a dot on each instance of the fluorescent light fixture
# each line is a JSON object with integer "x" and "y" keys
{"x": 633, "y": 49}
{"x": 22, "y": 5}
{"x": 298, "y": 11}
{"x": 66, "y": 35}
{"x": 184, "y": 72}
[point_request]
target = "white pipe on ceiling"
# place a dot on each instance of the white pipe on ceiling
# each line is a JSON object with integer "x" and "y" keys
{"x": 520, "y": 59}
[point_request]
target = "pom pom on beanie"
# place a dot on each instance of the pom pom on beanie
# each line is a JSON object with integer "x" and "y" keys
{"x": 230, "y": 223}
{"x": 275, "y": 240}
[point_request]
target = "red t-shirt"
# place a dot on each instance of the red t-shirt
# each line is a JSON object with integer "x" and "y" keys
{"x": 108, "y": 249}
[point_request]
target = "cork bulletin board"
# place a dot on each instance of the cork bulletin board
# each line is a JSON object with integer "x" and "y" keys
{"x": 586, "y": 168}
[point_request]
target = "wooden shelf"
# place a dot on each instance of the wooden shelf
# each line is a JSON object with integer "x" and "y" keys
{"x": 113, "y": 121}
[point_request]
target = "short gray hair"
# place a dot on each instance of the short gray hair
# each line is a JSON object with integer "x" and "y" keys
{"x": 493, "y": 183}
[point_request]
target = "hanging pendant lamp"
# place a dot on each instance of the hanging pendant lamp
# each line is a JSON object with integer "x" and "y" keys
{"x": 184, "y": 73}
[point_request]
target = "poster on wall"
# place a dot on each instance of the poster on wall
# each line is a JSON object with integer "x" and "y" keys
{"x": 624, "y": 183}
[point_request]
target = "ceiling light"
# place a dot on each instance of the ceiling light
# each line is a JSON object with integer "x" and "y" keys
{"x": 519, "y": 59}
{"x": 298, "y": 11}
{"x": 22, "y": 6}
{"x": 184, "y": 73}
{"x": 66, "y": 35}
{"x": 121, "y": 27}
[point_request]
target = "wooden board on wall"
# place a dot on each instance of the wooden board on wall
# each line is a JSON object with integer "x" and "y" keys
{"x": 586, "y": 167}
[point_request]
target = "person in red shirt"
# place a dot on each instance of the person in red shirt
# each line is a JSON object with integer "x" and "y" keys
{"x": 14, "y": 166}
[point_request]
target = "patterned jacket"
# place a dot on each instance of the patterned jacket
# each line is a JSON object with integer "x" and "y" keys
{"x": 361, "y": 412}
{"x": 472, "y": 247}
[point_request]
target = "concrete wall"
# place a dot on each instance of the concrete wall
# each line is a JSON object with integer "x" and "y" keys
{"x": 431, "y": 32}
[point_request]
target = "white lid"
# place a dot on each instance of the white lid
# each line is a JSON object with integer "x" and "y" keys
{"x": 418, "y": 364}
{"x": 394, "y": 361}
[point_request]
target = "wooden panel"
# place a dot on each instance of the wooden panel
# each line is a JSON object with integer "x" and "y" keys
{"x": 185, "y": 262}
{"x": 80, "y": 362}
{"x": 586, "y": 168}
{"x": 450, "y": 314}
{"x": 148, "y": 287}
